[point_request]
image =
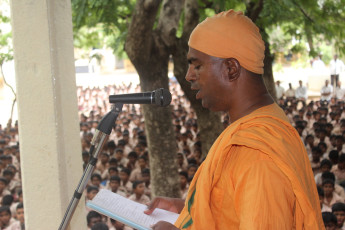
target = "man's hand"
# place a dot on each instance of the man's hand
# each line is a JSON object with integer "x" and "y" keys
{"x": 162, "y": 225}
{"x": 170, "y": 204}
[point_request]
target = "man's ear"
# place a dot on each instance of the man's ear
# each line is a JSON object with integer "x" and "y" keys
{"x": 233, "y": 68}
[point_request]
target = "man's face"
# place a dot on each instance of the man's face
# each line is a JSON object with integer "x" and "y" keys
{"x": 104, "y": 159}
{"x": 341, "y": 165}
{"x": 91, "y": 194}
{"x": 183, "y": 181}
{"x": 340, "y": 217}
{"x": 20, "y": 214}
{"x": 328, "y": 189}
{"x": 5, "y": 218}
{"x": 118, "y": 155}
{"x": 207, "y": 74}
{"x": 142, "y": 163}
{"x": 124, "y": 176}
{"x": 2, "y": 185}
{"x": 95, "y": 181}
{"x": 140, "y": 189}
{"x": 94, "y": 220}
{"x": 114, "y": 185}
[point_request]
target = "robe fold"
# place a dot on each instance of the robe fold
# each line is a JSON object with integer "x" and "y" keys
{"x": 257, "y": 175}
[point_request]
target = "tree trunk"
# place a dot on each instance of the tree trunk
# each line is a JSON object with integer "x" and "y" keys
{"x": 148, "y": 51}
{"x": 209, "y": 123}
{"x": 268, "y": 71}
{"x": 159, "y": 130}
{"x": 253, "y": 10}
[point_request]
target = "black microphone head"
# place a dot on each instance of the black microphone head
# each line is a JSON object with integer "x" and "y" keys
{"x": 162, "y": 97}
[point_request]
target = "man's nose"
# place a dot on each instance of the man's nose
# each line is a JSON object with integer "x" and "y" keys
{"x": 190, "y": 75}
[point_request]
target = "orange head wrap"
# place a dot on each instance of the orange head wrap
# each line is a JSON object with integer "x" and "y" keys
{"x": 230, "y": 34}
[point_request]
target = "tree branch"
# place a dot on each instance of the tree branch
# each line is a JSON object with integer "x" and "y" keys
{"x": 254, "y": 10}
{"x": 191, "y": 18}
{"x": 3, "y": 77}
{"x": 303, "y": 12}
{"x": 169, "y": 21}
{"x": 139, "y": 37}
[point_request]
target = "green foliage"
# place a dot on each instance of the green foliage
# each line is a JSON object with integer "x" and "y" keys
{"x": 6, "y": 51}
{"x": 99, "y": 23}
{"x": 307, "y": 21}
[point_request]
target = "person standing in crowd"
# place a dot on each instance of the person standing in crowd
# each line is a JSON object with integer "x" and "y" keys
{"x": 302, "y": 93}
{"x": 290, "y": 93}
{"x": 318, "y": 64}
{"x": 257, "y": 174}
{"x": 279, "y": 90}
{"x": 336, "y": 67}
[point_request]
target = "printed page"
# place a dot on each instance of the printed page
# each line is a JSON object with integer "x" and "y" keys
{"x": 128, "y": 210}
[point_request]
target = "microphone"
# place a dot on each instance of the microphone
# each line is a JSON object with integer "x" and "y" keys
{"x": 160, "y": 97}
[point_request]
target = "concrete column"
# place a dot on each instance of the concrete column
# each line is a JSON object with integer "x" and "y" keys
{"x": 50, "y": 145}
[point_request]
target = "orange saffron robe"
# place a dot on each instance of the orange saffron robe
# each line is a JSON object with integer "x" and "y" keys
{"x": 257, "y": 175}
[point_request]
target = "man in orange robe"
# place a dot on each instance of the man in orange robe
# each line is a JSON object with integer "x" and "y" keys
{"x": 257, "y": 174}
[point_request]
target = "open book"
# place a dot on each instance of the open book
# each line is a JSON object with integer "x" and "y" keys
{"x": 127, "y": 211}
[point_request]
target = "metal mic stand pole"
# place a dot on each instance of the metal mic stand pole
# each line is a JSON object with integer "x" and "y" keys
{"x": 101, "y": 136}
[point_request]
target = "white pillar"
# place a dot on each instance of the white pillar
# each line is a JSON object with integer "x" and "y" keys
{"x": 50, "y": 145}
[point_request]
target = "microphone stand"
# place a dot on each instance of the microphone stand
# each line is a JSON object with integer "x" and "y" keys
{"x": 101, "y": 136}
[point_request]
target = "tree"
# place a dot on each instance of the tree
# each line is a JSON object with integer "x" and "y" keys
{"x": 6, "y": 54}
{"x": 159, "y": 29}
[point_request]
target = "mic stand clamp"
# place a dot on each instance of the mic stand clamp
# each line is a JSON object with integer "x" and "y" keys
{"x": 99, "y": 139}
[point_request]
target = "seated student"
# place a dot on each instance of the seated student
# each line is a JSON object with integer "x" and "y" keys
{"x": 111, "y": 147}
{"x": 112, "y": 171}
{"x": 315, "y": 161}
{"x": 330, "y": 196}
{"x": 6, "y": 219}
{"x": 182, "y": 162}
{"x": 3, "y": 190}
{"x": 100, "y": 226}
{"x": 138, "y": 193}
{"x": 136, "y": 173}
{"x": 121, "y": 160}
{"x": 20, "y": 216}
{"x": 337, "y": 188}
{"x": 325, "y": 166}
{"x": 339, "y": 169}
{"x": 9, "y": 175}
{"x": 116, "y": 225}
{"x": 93, "y": 218}
{"x": 114, "y": 184}
{"x": 126, "y": 185}
{"x": 339, "y": 144}
{"x": 132, "y": 160}
{"x": 8, "y": 201}
{"x": 113, "y": 163}
{"x": 103, "y": 165}
{"x": 321, "y": 193}
{"x": 329, "y": 220}
{"x": 192, "y": 168}
{"x": 333, "y": 156}
{"x": 338, "y": 209}
{"x": 86, "y": 157}
{"x": 184, "y": 185}
{"x": 91, "y": 192}
{"x": 96, "y": 180}
{"x": 16, "y": 177}
{"x": 145, "y": 174}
